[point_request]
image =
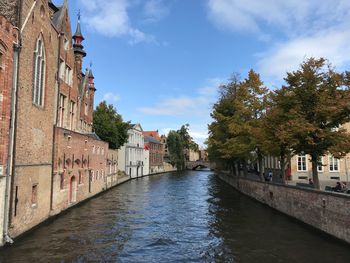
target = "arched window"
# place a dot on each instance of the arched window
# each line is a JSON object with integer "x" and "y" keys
{"x": 39, "y": 73}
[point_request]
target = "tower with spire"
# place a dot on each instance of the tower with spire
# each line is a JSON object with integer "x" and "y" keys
{"x": 78, "y": 46}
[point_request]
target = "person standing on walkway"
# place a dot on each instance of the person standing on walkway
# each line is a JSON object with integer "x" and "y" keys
{"x": 270, "y": 176}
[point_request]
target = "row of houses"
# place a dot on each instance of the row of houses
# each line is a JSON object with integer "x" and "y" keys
{"x": 50, "y": 158}
{"x": 299, "y": 167}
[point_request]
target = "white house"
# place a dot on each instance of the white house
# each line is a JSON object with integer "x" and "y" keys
{"x": 131, "y": 155}
{"x": 146, "y": 162}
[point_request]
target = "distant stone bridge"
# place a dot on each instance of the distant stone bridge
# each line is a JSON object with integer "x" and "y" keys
{"x": 198, "y": 165}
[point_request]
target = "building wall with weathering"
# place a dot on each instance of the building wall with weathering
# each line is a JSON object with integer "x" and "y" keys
{"x": 31, "y": 188}
{"x": 112, "y": 174}
{"x": 79, "y": 168}
{"x": 8, "y": 37}
{"x": 300, "y": 168}
{"x": 326, "y": 211}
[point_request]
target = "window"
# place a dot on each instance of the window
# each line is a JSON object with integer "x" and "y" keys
{"x": 1, "y": 60}
{"x": 96, "y": 175}
{"x": 302, "y": 163}
{"x": 80, "y": 177}
{"x": 61, "y": 110}
{"x": 333, "y": 164}
{"x": 92, "y": 176}
{"x": 98, "y": 150}
{"x": 34, "y": 195}
{"x": 320, "y": 165}
{"x": 61, "y": 181}
{"x": 103, "y": 151}
{"x": 39, "y": 73}
{"x": 86, "y": 109}
{"x": 62, "y": 67}
{"x": 66, "y": 44}
{"x": 71, "y": 115}
{"x": 93, "y": 149}
{"x": 68, "y": 75}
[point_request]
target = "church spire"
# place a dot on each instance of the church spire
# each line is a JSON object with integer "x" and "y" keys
{"x": 78, "y": 36}
{"x": 78, "y": 40}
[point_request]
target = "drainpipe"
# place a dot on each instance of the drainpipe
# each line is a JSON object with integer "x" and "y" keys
{"x": 56, "y": 118}
{"x": 11, "y": 146}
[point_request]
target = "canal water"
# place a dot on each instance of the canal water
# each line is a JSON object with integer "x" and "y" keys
{"x": 180, "y": 217}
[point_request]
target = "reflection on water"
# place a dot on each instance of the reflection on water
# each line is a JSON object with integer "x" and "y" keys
{"x": 183, "y": 217}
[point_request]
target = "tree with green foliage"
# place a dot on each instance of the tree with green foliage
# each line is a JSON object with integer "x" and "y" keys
{"x": 255, "y": 104}
{"x": 228, "y": 143}
{"x": 109, "y": 125}
{"x": 189, "y": 144}
{"x": 176, "y": 150}
{"x": 235, "y": 133}
{"x": 322, "y": 103}
{"x": 280, "y": 125}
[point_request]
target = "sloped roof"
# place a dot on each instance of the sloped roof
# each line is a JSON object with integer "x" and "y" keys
{"x": 94, "y": 136}
{"x": 152, "y": 140}
{"x": 153, "y": 134}
{"x": 57, "y": 18}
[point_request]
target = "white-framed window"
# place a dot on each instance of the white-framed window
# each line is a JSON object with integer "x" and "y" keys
{"x": 39, "y": 73}
{"x": 92, "y": 176}
{"x": 302, "y": 165}
{"x": 68, "y": 75}
{"x": 61, "y": 110}
{"x": 71, "y": 115}
{"x": 66, "y": 44}
{"x": 320, "y": 165}
{"x": 333, "y": 164}
{"x": 62, "y": 69}
{"x": 96, "y": 175}
{"x": 86, "y": 109}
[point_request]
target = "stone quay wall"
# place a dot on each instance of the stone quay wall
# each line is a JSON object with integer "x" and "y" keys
{"x": 326, "y": 211}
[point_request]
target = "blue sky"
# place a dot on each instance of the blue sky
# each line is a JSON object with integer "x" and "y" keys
{"x": 160, "y": 61}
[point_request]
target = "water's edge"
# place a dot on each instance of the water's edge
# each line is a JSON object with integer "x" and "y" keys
{"x": 292, "y": 201}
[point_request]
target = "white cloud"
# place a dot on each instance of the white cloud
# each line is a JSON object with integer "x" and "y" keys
{"x": 111, "y": 18}
{"x": 110, "y": 97}
{"x": 287, "y": 56}
{"x": 154, "y": 10}
{"x": 199, "y": 104}
{"x": 308, "y": 28}
{"x": 289, "y": 16}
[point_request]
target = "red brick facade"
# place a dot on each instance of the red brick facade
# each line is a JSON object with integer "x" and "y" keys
{"x": 79, "y": 168}
{"x": 8, "y": 36}
{"x": 156, "y": 152}
{"x": 58, "y": 160}
{"x": 31, "y": 185}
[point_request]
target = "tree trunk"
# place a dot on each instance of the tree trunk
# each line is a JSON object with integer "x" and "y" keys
{"x": 283, "y": 168}
{"x": 314, "y": 160}
{"x": 260, "y": 163}
{"x": 237, "y": 168}
{"x": 245, "y": 171}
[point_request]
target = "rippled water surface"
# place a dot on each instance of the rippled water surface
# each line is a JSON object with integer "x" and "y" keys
{"x": 183, "y": 217}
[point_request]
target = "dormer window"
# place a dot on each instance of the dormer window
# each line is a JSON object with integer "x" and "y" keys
{"x": 66, "y": 44}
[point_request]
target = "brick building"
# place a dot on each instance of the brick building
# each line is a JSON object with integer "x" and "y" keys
{"x": 155, "y": 148}
{"x": 36, "y": 96}
{"x": 8, "y": 58}
{"x": 57, "y": 160}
